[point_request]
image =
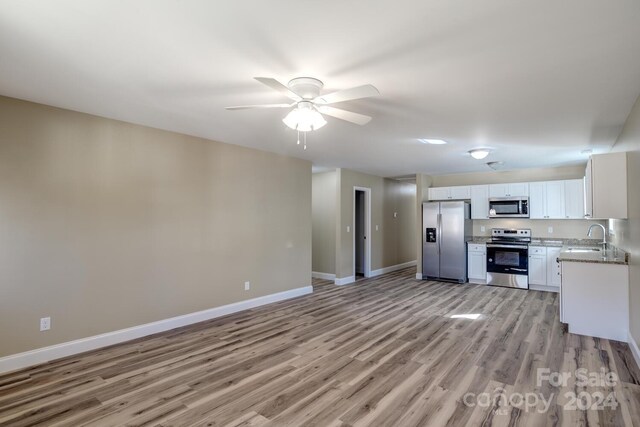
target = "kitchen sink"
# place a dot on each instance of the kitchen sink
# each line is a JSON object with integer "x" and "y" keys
{"x": 584, "y": 250}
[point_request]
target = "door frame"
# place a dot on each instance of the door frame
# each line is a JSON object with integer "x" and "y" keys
{"x": 367, "y": 230}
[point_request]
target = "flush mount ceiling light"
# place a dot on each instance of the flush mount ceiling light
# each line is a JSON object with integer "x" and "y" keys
{"x": 304, "y": 118}
{"x": 479, "y": 153}
{"x": 432, "y": 141}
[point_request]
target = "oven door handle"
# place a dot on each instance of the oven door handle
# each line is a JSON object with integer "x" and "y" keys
{"x": 493, "y": 245}
{"x": 518, "y": 269}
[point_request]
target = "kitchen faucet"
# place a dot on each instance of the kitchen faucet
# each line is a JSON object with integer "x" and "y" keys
{"x": 604, "y": 234}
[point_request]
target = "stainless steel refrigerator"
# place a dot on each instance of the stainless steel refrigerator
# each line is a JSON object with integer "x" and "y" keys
{"x": 446, "y": 228}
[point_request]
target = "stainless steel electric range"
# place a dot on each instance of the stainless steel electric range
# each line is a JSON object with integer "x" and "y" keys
{"x": 508, "y": 258}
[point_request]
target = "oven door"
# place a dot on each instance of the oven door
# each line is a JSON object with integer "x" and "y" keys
{"x": 508, "y": 265}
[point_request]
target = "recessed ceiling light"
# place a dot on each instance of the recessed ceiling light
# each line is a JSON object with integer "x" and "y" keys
{"x": 432, "y": 141}
{"x": 479, "y": 153}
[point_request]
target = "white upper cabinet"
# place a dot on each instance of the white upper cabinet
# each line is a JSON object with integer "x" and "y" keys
{"x": 606, "y": 186}
{"x": 438, "y": 193}
{"x": 536, "y": 200}
{"x": 517, "y": 189}
{"x": 574, "y": 199}
{"x": 461, "y": 192}
{"x": 554, "y": 199}
{"x": 479, "y": 201}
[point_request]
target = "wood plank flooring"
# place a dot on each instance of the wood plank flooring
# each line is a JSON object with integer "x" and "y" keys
{"x": 389, "y": 351}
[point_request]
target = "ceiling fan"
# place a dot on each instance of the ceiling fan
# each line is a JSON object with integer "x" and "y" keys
{"x": 308, "y": 105}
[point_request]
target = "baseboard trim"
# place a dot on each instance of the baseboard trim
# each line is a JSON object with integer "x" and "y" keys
{"x": 325, "y": 276}
{"x": 57, "y": 351}
{"x": 633, "y": 345}
{"x": 418, "y": 276}
{"x": 345, "y": 280}
{"x": 389, "y": 269}
{"x": 544, "y": 288}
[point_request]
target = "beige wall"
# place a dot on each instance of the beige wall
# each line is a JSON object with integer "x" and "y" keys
{"x": 627, "y": 232}
{"x": 522, "y": 175}
{"x": 324, "y": 197}
{"x": 105, "y": 225}
{"x": 393, "y": 242}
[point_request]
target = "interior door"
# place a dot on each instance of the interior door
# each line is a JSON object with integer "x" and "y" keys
{"x": 360, "y": 231}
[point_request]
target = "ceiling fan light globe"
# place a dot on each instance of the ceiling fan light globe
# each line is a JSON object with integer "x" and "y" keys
{"x": 304, "y": 120}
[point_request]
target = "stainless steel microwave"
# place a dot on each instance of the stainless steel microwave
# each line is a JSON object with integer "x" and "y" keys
{"x": 509, "y": 207}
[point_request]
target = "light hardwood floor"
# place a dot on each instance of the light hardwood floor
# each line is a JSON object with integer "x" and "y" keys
{"x": 389, "y": 351}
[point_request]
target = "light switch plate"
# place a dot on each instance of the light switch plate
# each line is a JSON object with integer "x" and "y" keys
{"x": 550, "y": 230}
{"x": 483, "y": 228}
{"x": 348, "y": 229}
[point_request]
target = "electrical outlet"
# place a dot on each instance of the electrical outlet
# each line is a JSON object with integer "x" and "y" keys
{"x": 482, "y": 228}
{"x": 395, "y": 214}
{"x": 247, "y": 286}
{"x": 550, "y": 230}
{"x": 348, "y": 229}
{"x": 376, "y": 227}
{"x": 45, "y": 324}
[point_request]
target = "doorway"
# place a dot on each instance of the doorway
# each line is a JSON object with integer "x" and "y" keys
{"x": 361, "y": 232}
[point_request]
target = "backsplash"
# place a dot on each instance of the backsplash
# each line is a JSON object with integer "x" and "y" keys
{"x": 562, "y": 228}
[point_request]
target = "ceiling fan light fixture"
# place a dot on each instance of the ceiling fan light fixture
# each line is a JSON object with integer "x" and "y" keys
{"x": 304, "y": 118}
{"x": 479, "y": 153}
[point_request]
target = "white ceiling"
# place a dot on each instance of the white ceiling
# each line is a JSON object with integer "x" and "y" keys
{"x": 537, "y": 80}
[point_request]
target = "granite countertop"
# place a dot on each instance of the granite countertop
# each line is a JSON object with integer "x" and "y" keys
{"x": 612, "y": 255}
{"x": 558, "y": 243}
{"x": 480, "y": 239}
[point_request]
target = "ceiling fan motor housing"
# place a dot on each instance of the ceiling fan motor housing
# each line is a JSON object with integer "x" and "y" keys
{"x": 305, "y": 87}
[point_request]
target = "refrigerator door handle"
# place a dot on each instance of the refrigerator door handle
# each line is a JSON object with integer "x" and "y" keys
{"x": 439, "y": 231}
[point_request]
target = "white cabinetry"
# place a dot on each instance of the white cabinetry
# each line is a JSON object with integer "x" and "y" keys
{"x": 574, "y": 199}
{"x": 479, "y": 201}
{"x": 554, "y": 273}
{"x": 547, "y": 200}
{"x": 516, "y": 189}
{"x": 606, "y": 186}
{"x": 595, "y": 299}
{"x": 537, "y": 265}
{"x": 544, "y": 270}
{"x": 477, "y": 263}
{"x": 462, "y": 192}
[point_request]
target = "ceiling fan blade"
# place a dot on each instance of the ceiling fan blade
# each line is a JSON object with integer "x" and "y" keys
{"x": 364, "y": 91}
{"x": 245, "y": 107}
{"x": 350, "y": 116}
{"x": 276, "y": 85}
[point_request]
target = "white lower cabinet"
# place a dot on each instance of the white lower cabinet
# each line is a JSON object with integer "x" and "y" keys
{"x": 594, "y": 299}
{"x": 554, "y": 272}
{"x": 537, "y": 265}
{"x": 544, "y": 270}
{"x": 477, "y": 263}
